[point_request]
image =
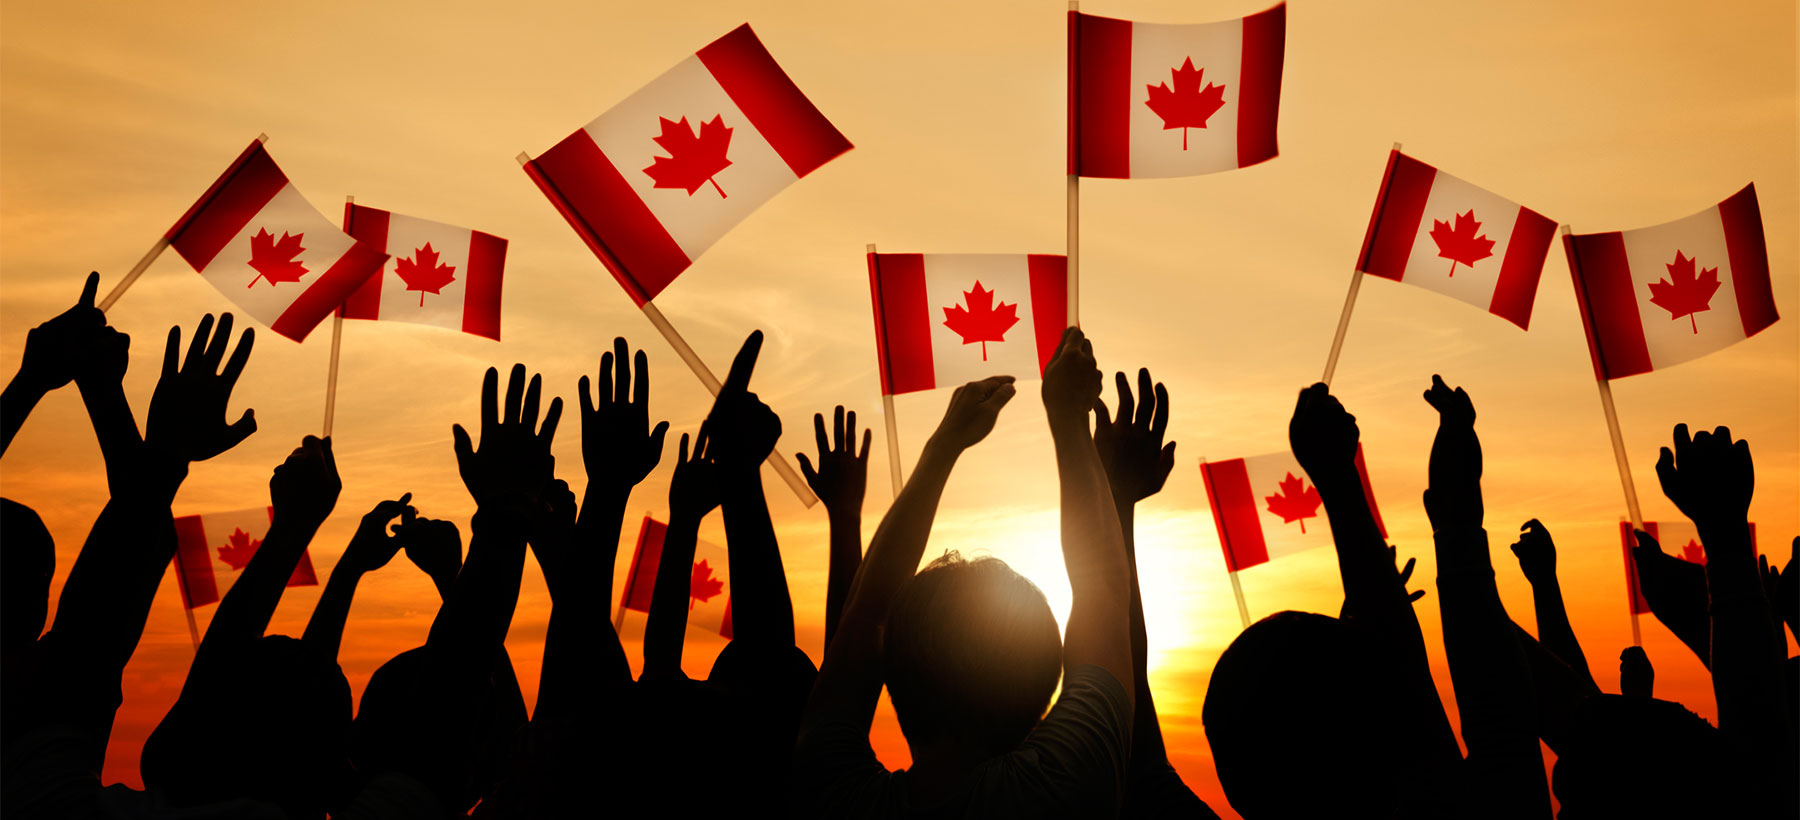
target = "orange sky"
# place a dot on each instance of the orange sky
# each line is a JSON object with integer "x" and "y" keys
{"x": 113, "y": 117}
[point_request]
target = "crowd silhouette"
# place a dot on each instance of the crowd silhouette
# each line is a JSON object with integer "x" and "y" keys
{"x": 1308, "y": 714}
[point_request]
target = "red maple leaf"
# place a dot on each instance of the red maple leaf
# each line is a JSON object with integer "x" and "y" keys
{"x": 423, "y": 273}
{"x": 237, "y": 553}
{"x": 1683, "y": 294}
{"x": 982, "y": 322}
{"x": 692, "y": 160}
{"x": 1186, "y": 105}
{"x": 274, "y": 260}
{"x": 1460, "y": 244}
{"x": 703, "y": 586}
{"x": 1295, "y": 501}
{"x": 1693, "y": 554}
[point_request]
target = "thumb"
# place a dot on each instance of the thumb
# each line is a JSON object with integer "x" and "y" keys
{"x": 239, "y": 430}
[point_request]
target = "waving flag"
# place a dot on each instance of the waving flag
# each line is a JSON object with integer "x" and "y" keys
{"x": 437, "y": 274}
{"x": 1267, "y": 507}
{"x": 1438, "y": 232}
{"x": 1659, "y": 296}
{"x": 709, "y": 584}
{"x": 654, "y": 182}
{"x": 1148, "y": 100}
{"x": 1678, "y": 538}
{"x": 212, "y": 549}
{"x": 266, "y": 248}
{"x": 945, "y": 319}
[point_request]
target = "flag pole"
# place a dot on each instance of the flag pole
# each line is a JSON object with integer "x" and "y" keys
{"x": 193, "y": 628}
{"x": 1074, "y": 195}
{"x": 1612, "y": 425}
{"x": 887, "y": 411}
{"x": 687, "y": 354}
{"x": 1343, "y": 328}
{"x": 337, "y": 338}
{"x": 1237, "y": 589}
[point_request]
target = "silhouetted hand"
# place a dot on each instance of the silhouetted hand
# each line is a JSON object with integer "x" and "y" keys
{"x": 842, "y": 475}
{"x": 1131, "y": 445}
{"x": 55, "y": 350}
{"x": 1406, "y": 573}
{"x": 1783, "y": 588}
{"x": 305, "y": 488}
{"x": 617, "y": 443}
{"x": 1676, "y": 593}
{"x": 1322, "y": 434}
{"x": 694, "y": 489}
{"x": 372, "y": 547}
{"x": 1071, "y": 381}
{"x": 1536, "y": 552}
{"x": 1453, "y": 499}
{"x": 1637, "y": 678}
{"x": 552, "y": 529}
{"x": 514, "y": 465}
{"x": 1710, "y": 477}
{"x": 741, "y": 430}
{"x": 973, "y": 410}
{"x": 433, "y": 546}
{"x": 104, "y": 356}
{"x": 187, "y": 411}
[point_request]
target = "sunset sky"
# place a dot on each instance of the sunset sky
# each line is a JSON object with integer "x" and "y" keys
{"x": 1602, "y": 115}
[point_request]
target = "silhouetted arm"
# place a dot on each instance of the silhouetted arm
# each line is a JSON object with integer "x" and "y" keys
{"x": 1559, "y": 690}
{"x": 1676, "y": 593}
{"x": 1494, "y": 694}
{"x": 1537, "y": 558}
{"x": 840, "y": 481}
{"x": 693, "y": 492}
{"x": 370, "y": 549}
{"x": 53, "y": 353}
{"x": 742, "y": 432}
{"x": 1099, "y": 627}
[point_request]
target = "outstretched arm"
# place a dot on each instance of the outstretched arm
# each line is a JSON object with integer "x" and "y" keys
{"x": 1537, "y": 558}
{"x": 1494, "y": 693}
{"x": 370, "y": 549}
{"x": 742, "y": 432}
{"x": 54, "y": 354}
{"x": 693, "y": 492}
{"x": 839, "y": 481}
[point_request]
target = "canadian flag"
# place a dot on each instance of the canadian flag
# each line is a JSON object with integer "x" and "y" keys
{"x": 436, "y": 274}
{"x": 1148, "y": 100}
{"x": 266, "y": 248}
{"x": 1678, "y": 538}
{"x": 1635, "y": 288}
{"x": 213, "y": 548}
{"x": 946, "y": 319}
{"x": 709, "y": 583}
{"x": 655, "y": 181}
{"x": 1438, "y": 232}
{"x": 1267, "y": 507}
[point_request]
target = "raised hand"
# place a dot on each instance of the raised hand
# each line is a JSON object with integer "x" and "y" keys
{"x": 694, "y": 489}
{"x": 513, "y": 465}
{"x": 1709, "y": 477}
{"x": 843, "y": 474}
{"x": 1071, "y": 382}
{"x": 1406, "y": 573}
{"x": 433, "y": 546}
{"x": 56, "y": 351}
{"x": 973, "y": 409}
{"x": 1783, "y": 587}
{"x": 743, "y": 430}
{"x": 187, "y": 411}
{"x": 1536, "y": 552}
{"x": 372, "y": 547}
{"x": 617, "y": 443}
{"x": 552, "y": 529}
{"x": 1322, "y": 434}
{"x": 1637, "y": 678}
{"x": 305, "y": 488}
{"x": 1131, "y": 445}
{"x": 1453, "y": 498}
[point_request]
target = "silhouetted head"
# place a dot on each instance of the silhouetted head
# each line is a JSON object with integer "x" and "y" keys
{"x": 26, "y": 565}
{"x": 1298, "y": 714}
{"x": 1638, "y": 757}
{"x": 385, "y": 730}
{"x": 269, "y": 722}
{"x": 971, "y": 655}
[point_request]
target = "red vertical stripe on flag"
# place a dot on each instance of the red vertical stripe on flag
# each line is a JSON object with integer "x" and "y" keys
{"x": 1099, "y": 96}
{"x": 774, "y": 105}
{"x": 725, "y": 626}
{"x": 226, "y": 207}
{"x": 1398, "y": 209}
{"x": 1749, "y": 254}
{"x": 193, "y": 563}
{"x": 1259, "y": 84}
{"x": 1516, "y": 288}
{"x": 1234, "y": 511}
{"x": 902, "y": 322}
{"x": 1634, "y": 594}
{"x": 481, "y": 290}
{"x": 1608, "y": 301}
{"x": 599, "y": 204}
{"x": 328, "y": 291}
{"x": 1362, "y": 472}
{"x": 367, "y": 225}
{"x": 640, "y": 581}
{"x": 1049, "y": 302}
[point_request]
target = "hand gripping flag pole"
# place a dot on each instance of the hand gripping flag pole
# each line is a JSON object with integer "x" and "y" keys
{"x": 887, "y": 411}
{"x": 1237, "y": 588}
{"x": 1356, "y": 277}
{"x": 168, "y": 237}
{"x": 1612, "y": 417}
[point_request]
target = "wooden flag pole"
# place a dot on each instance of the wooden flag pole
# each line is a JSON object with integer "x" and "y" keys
{"x": 1618, "y": 438}
{"x": 1074, "y": 206}
{"x": 337, "y": 338}
{"x": 1238, "y": 590}
{"x": 687, "y": 354}
{"x": 893, "y": 428}
{"x": 193, "y": 628}
{"x": 1356, "y": 277}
